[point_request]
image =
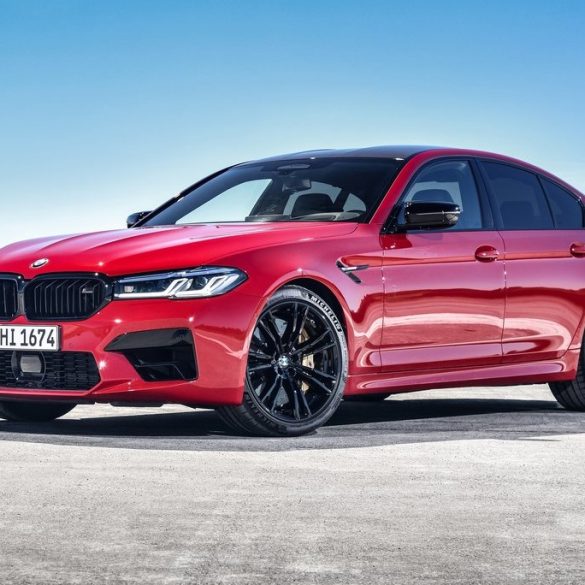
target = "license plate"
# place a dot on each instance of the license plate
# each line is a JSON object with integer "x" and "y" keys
{"x": 29, "y": 337}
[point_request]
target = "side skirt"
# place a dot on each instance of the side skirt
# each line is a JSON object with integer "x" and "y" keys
{"x": 563, "y": 368}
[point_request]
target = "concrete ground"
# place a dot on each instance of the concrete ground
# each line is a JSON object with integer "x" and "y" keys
{"x": 454, "y": 487}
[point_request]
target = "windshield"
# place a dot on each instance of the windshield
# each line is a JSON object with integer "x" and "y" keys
{"x": 327, "y": 189}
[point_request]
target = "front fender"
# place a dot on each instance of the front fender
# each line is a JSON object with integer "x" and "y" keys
{"x": 315, "y": 261}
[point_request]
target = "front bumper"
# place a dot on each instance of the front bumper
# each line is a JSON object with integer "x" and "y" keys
{"x": 221, "y": 327}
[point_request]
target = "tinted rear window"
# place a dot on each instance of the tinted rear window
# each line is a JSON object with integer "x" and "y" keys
{"x": 566, "y": 209}
{"x": 519, "y": 197}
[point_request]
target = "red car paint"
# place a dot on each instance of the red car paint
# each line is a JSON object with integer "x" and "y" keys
{"x": 434, "y": 309}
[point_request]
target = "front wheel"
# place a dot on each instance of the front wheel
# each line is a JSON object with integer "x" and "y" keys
{"x": 297, "y": 367}
{"x": 33, "y": 411}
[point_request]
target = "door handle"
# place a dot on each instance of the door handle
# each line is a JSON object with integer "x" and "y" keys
{"x": 578, "y": 250}
{"x": 487, "y": 254}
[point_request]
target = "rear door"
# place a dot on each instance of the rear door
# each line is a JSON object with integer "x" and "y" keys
{"x": 544, "y": 253}
{"x": 444, "y": 289}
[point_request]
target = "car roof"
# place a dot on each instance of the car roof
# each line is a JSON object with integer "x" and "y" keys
{"x": 387, "y": 151}
{"x": 405, "y": 152}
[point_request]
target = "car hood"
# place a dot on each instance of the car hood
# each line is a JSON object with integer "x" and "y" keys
{"x": 150, "y": 249}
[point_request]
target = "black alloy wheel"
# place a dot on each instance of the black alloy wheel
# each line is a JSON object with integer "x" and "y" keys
{"x": 297, "y": 367}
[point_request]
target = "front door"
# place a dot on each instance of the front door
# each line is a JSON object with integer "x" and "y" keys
{"x": 444, "y": 289}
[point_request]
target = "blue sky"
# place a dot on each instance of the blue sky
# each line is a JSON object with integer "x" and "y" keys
{"x": 111, "y": 107}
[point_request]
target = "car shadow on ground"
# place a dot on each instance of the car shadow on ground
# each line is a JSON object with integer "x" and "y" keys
{"x": 354, "y": 425}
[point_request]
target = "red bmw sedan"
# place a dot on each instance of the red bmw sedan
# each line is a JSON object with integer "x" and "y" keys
{"x": 272, "y": 289}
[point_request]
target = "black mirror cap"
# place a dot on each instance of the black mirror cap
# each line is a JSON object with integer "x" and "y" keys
{"x": 134, "y": 218}
{"x": 430, "y": 214}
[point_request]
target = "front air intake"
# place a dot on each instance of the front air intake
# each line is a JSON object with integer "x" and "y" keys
{"x": 53, "y": 370}
{"x": 159, "y": 354}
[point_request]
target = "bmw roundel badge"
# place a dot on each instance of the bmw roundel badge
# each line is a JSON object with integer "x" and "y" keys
{"x": 39, "y": 263}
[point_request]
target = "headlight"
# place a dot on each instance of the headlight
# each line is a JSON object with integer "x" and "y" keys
{"x": 186, "y": 284}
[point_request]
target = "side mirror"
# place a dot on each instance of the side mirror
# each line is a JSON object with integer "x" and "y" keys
{"x": 134, "y": 218}
{"x": 430, "y": 214}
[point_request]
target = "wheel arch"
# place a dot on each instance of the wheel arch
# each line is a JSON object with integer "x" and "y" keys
{"x": 322, "y": 287}
{"x": 326, "y": 293}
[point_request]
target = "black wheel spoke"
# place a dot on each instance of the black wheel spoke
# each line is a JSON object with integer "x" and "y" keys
{"x": 271, "y": 323}
{"x": 313, "y": 382}
{"x": 303, "y": 401}
{"x": 262, "y": 343}
{"x": 295, "y": 327}
{"x": 270, "y": 329}
{"x": 318, "y": 345}
{"x": 315, "y": 372}
{"x": 294, "y": 399}
{"x": 296, "y": 405}
{"x": 259, "y": 367}
{"x": 259, "y": 355}
{"x": 271, "y": 341}
{"x": 291, "y": 325}
{"x": 268, "y": 396}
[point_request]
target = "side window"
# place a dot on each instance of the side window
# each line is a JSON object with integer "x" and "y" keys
{"x": 518, "y": 196}
{"x": 450, "y": 182}
{"x": 566, "y": 209}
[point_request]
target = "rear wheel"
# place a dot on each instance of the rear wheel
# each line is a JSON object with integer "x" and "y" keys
{"x": 297, "y": 367}
{"x": 571, "y": 394}
{"x": 33, "y": 411}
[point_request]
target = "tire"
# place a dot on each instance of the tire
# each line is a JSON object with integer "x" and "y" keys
{"x": 297, "y": 368}
{"x": 367, "y": 397}
{"x": 571, "y": 394}
{"x": 33, "y": 411}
